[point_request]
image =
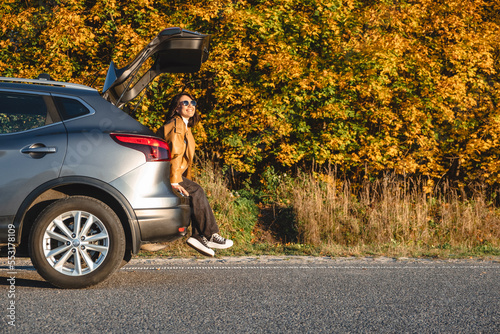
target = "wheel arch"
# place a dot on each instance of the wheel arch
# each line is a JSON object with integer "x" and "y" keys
{"x": 73, "y": 186}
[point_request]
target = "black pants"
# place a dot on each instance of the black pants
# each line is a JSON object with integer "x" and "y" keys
{"x": 202, "y": 217}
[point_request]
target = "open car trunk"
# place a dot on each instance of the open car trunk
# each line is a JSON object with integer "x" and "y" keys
{"x": 173, "y": 50}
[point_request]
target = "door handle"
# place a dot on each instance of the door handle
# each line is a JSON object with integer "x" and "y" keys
{"x": 38, "y": 150}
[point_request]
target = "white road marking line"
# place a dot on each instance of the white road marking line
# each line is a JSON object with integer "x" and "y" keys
{"x": 300, "y": 267}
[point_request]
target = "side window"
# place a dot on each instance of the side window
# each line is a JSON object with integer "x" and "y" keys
{"x": 70, "y": 108}
{"x": 21, "y": 112}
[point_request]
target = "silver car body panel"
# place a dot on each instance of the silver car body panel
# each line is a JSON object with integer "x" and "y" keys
{"x": 86, "y": 154}
{"x": 23, "y": 172}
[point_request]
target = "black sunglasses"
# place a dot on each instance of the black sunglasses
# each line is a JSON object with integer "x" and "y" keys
{"x": 186, "y": 103}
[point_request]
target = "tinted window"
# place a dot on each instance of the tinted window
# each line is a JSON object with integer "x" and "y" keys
{"x": 70, "y": 108}
{"x": 20, "y": 112}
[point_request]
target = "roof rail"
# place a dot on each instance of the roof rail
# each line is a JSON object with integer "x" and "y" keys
{"x": 45, "y": 82}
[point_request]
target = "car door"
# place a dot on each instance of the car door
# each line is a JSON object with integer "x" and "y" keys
{"x": 32, "y": 148}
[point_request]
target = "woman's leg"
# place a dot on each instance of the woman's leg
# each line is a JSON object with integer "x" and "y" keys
{"x": 202, "y": 217}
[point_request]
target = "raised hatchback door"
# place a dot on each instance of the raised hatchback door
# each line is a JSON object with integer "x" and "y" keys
{"x": 173, "y": 50}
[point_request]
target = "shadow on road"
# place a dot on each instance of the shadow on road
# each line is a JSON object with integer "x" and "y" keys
{"x": 25, "y": 282}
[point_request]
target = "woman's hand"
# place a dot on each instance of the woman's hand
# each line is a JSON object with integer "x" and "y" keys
{"x": 180, "y": 189}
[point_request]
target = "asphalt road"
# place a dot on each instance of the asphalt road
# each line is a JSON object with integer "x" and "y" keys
{"x": 264, "y": 295}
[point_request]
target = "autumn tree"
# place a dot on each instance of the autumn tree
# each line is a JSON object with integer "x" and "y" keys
{"x": 369, "y": 86}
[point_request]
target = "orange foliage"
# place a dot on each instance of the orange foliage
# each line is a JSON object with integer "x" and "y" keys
{"x": 411, "y": 87}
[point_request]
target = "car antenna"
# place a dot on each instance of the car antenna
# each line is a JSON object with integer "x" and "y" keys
{"x": 45, "y": 76}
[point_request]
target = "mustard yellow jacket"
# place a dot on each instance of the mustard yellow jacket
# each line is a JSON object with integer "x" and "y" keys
{"x": 182, "y": 147}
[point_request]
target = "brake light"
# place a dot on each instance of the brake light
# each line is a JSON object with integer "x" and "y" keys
{"x": 154, "y": 149}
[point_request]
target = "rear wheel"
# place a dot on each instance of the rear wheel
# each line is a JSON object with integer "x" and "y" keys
{"x": 77, "y": 242}
{"x": 126, "y": 257}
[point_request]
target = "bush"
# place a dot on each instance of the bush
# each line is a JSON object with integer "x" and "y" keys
{"x": 235, "y": 215}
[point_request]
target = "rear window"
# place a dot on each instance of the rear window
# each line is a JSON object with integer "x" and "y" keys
{"x": 21, "y": 112}
{"x": 70, "y": 108}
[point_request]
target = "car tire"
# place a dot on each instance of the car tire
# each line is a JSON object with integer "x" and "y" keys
{"x": 126, "y": 257}
{"x": 77, "y": 242}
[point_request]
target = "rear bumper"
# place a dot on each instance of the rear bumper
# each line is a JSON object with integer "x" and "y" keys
{"x": 162, "y": 225}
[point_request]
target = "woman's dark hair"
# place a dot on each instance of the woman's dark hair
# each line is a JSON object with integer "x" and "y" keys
{"x": 174, "y": 103}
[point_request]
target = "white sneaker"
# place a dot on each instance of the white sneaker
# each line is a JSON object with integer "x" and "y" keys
{"x": 199, "y": 243}
{"x": 216, "y": 241}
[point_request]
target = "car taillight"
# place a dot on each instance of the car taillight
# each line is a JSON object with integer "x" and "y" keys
{"x": 154, "y": 149}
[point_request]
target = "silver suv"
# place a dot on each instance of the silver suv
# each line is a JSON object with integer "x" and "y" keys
{"x": 82, "y": 184}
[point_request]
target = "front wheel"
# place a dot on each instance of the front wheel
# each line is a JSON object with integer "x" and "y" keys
{"x": 77, "y": 242}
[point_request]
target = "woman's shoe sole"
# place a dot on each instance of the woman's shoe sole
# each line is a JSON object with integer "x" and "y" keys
{"x": 195, "y": 244}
